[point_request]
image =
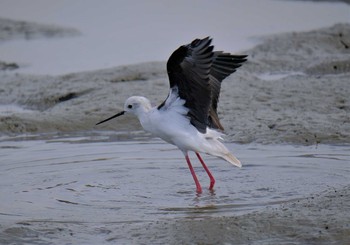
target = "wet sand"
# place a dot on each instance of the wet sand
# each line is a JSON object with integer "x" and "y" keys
{"x": 291, "y": 91}
{"x": 319, "y": 219}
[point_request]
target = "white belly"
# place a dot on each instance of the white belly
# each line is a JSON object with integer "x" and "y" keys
{"x": 173, "y": 128}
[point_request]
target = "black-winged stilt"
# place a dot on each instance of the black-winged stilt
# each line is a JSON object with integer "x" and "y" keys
{"x": 188, "y": 117}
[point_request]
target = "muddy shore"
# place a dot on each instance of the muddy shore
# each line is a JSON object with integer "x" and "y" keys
{"x": 319, "y": 219}
{"x": 289, "y": 91}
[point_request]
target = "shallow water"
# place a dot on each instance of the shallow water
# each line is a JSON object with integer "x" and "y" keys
{"x": 98, "y": 180}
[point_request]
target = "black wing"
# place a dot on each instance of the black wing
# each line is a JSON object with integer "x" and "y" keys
{"x": 224, "y": 64}
{"x": 197, "y": 73}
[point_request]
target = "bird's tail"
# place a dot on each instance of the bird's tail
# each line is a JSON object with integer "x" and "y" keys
{"x": 231, "y": 159}
{"x": 218, "y": 149}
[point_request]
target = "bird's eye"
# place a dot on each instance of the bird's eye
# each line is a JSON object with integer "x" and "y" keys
{"x": 129, "y": 106}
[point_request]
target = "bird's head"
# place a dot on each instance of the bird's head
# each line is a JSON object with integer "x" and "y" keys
{"x": 135, "y": 105}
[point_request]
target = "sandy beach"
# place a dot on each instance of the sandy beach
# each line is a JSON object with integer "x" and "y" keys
{"x": 289, "y": 91}
{"x": 294, "y": 90}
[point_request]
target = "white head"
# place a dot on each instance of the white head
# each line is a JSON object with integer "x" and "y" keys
{"x": 135, "y": 105}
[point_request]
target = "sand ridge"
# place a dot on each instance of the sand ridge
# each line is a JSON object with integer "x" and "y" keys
{"x": 289, "y": 91}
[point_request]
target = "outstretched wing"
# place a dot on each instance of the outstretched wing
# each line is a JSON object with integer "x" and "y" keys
{"x": 195, "y": 71}
{"x": 188, "y": 70}
{"x": 224, "y": 64}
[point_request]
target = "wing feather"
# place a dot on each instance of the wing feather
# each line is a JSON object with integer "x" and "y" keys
{"x": 196, "y": 71}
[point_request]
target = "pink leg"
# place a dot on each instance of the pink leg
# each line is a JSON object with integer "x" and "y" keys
{"x": 198, "y": 185}
{"x": 212, "y": 180}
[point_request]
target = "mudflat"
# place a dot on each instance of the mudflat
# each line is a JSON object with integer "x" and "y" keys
{"x": 294, "y": 90}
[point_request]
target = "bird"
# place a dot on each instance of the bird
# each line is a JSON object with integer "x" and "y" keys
{"x": 188, "y": 117}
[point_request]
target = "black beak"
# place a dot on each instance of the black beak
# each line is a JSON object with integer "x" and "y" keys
{"x": 116, "y": 115}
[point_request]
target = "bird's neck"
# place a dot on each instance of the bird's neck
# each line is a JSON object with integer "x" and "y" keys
{"x": 143, "y": 110}
{"x": 145, "y": 118}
